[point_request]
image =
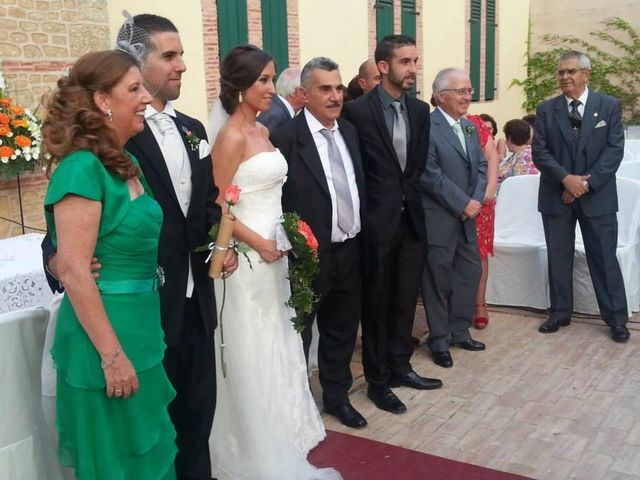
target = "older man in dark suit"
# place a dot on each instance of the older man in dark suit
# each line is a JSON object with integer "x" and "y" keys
{"x": 578, "y": 145}
{"x": 325, "y": 186}
{"x": 453, "y": 183}
{"x": 288, "y": 101}
{"x": 394, "y": 137}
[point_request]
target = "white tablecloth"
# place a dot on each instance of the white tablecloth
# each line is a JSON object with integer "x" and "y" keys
{"x": 631, "y": 150}
{"x": 22, "y": 280}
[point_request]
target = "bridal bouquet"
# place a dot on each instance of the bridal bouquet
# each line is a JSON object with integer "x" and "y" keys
{"x": 20, "y": 136}
{"x": 302, "y": 269}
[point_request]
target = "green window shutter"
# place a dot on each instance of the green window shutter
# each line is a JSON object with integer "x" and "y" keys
{"x": 490, "y": 51}
{"x": 409, "y": 18}
{"x": 274, "y": 31}
{"x": 408, "y": 22}
{"x": 384, "y": 18}
{"x": 474, "y": 53}
{"x": 232, "y": 24}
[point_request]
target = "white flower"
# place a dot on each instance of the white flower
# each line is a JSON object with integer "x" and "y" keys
{"x": 13, "y": 157}
{"x": 4, "y": 159}
{"x": 10, "y": 134}
{"x": 17, "y": 152}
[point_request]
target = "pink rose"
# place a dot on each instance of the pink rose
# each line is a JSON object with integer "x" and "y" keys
{"x": 232, "y": 195}
{"x": 305, "y": 230}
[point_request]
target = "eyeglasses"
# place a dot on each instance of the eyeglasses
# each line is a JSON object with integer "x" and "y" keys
{"x": 459, "y": 91}
{"x": 569, "y": 71}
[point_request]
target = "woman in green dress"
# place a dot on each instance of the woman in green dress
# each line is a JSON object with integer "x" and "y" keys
{"x": 112, "y": 391}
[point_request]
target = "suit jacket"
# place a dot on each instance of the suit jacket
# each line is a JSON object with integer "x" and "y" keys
{"x": 599, "y": 153}
{"x": 180, "y": 235}
{"x": 387, "y": 185}
{"x": 276, "y": 116}
{"x": 306, "y": 190}
{"x": 451, "y": 179}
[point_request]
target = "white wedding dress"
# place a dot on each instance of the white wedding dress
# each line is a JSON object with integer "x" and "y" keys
{"x": 266, "y": 420}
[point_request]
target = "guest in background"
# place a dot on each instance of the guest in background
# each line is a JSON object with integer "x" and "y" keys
{"x": 354, "y": 90}
{"x": 288, "y": 101}
{"x": 486, "y": 218}
{"x": 368, "y": 75}
{"x": 578, "y": 145}
{"x": 112, "y": 389}
{"x": 453, "y": 185}
{"x": 518, "y": 135}
{"x": 500, "y": 144}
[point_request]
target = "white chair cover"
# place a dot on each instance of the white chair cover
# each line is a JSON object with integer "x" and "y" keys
{"x": 629, "y": 169}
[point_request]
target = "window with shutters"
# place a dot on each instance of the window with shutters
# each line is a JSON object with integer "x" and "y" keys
{"x": 232, "y": 24}
{"x": 275, "y": 32}
{"x": 384, "y": 18}
{"x": 482, "y": 48}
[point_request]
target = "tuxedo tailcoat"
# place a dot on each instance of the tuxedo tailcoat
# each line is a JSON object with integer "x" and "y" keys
{"x": 598, "y": 153}
{"x": 338, "y": 283}
{"x": 396, "y": 228}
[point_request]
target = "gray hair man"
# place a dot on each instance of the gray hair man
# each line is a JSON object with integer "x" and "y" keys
{"x": 453, "y": 185}
{"x": 288, "y": 101}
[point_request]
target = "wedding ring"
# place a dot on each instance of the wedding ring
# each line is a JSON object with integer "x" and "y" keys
{"x": 118, "y": 390}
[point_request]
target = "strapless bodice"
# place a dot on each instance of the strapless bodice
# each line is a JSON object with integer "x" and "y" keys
{"x": 260, "y": 179}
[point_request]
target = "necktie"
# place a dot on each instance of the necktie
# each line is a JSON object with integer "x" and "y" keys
{"x": 458, "y": 129}
{"x": 399, "y": 134}
{"x": 340, "y": 183}
{"x": 576, "y": 120}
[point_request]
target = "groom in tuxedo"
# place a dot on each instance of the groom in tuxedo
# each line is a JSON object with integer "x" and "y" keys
{"x": 325, "y": 186}
{"x": 181, "y": 181}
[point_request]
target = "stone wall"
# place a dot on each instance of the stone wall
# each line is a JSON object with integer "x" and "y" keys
{"x": 39, "y": 39}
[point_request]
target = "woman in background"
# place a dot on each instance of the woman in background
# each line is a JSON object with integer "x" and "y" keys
{"x": 518, "y": 133}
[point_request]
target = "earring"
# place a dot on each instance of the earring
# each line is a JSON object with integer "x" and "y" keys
{"x": 110, "y": 114}
{"x": 239, "y": 97}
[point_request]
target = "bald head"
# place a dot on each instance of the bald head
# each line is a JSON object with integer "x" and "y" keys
{"x": 368, "y": 75}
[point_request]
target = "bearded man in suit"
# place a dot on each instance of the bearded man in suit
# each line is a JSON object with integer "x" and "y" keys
{"x": 393, "y": 128}
{"x": 453, "y": 184}
{"x": 325, "y": 186}
{"x": 578, "y": 145}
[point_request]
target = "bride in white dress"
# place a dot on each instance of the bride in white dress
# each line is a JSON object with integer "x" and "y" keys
{"x": 266, "y": 419}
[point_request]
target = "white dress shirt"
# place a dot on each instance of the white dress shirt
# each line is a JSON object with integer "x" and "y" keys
{"x": 286, "y": 103}
{"x": 582, "y": 99}
{"x": 179, "y": 171}
{"x": 337, "y": 235}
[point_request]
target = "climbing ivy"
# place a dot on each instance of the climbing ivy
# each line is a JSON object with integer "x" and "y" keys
{"x": 616, "y": 74}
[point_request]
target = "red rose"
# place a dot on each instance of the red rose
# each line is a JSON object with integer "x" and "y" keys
{"x": 309, "y": 237}
{"x": 232, "y": 195}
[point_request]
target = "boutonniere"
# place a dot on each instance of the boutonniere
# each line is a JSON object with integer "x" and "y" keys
{"x": 469, "y": 130}
{"x": 192, "y": 139}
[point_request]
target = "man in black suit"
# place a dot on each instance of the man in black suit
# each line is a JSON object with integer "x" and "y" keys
{"x": 325, "y": 186}
{"x": 181, "y": 179}
{"x": 578, "y": 144}
{"x": 393, "y": 128}
{"x": 288, "y": 101}
{"x": 453, "y": 184}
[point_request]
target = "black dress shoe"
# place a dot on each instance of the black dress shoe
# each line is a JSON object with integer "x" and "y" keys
{"x": 443, "y": 359}
{"x": 551, "y": 325}
{"x": 347, "y": 415}
{"x": 471, "y": 345}
{"x": 413, "y": 380}
{"x": 385, "y": 399}
{"x": 620, "y": 333}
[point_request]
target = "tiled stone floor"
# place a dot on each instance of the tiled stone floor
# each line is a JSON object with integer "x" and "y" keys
{"x": 557, "y": 406}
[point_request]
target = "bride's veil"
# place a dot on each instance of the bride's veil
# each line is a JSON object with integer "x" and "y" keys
{"x": 217, "y": 119}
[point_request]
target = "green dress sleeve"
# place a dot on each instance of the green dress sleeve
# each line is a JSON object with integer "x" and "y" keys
{"x": 81, "y": 173}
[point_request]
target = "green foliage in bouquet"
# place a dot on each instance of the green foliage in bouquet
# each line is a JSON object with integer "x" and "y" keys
{"x": 303, "y": 267}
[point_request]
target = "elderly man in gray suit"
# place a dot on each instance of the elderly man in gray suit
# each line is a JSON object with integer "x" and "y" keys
{"x": 453, "y": 185}
{"x": 288, "y": 101}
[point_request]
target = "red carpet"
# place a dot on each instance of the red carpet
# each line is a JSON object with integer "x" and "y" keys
{"x": 362, "y": 459}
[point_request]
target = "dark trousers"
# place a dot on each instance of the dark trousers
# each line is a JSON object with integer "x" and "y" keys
{"x": 600, "y": 235}
{"x": 390, "y": 295}
{"x": 338, "y": 286}
{"x": 191, "y": 369}
{"x": 449, "y": 286}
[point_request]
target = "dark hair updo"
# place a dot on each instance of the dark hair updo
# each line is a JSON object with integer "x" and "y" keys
{"x": 241, "y": 67}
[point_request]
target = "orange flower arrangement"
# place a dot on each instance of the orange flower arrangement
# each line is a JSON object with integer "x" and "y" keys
{"x": 20, "y": 136}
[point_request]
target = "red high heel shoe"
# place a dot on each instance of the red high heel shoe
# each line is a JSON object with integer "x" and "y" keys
{"x": 481, "y": 322}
